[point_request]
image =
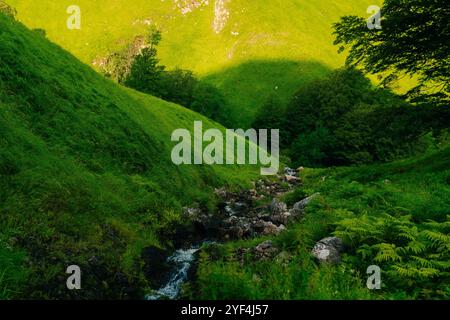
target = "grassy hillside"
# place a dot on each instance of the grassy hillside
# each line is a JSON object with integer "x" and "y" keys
{"x": 383, "y": 212}
{"x": 264, "y": 48}
{"x": 85, "y": 172}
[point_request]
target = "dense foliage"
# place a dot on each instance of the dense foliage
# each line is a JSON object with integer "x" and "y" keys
{"x": 344, "y": 120}
{"x": 391, "y": 215}
{"x": 414, "y": 40}
{"x": 85, "y": 174}
{"x": 137, "y": 66}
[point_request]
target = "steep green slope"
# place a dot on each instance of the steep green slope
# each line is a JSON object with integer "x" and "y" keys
{"x": 250, "y": 49}
{"x": 86, "y": 176}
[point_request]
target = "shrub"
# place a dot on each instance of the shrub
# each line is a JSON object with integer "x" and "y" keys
{"x": 344, "y": 120}
{"x": 411, "y": 256}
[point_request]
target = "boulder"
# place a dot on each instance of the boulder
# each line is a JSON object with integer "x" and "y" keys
{"x": 258, "y": 226}
{"x": 221, "y": 193}
{"x": 232, "y": 221}
{"x": 264, "y": 246}
{"x": 236, "y": 232}
{"x": 277, "y": 207}
{"x": 290, "y": 172}
{"x": 265, "y": 250}
{"x": 300, "y": 206}
{"x": 272, "y": 229}
{"x": 266, "y": 227}
{"x": 282, "y": 218}
{"x": 291, "y": 179}
{"x": 328, "y": 250}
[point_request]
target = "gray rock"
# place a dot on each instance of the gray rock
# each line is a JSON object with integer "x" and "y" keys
{"x": 222, "y": 193}
{"x": 300, "y": 206}
{"x": 328, "y": 250}
{"x": 195, "y": 214}
{"x": 334, "y": 242}
{"x": 282, "y": 218}
{"x": 264, "y": 246}
{"x": 265, "y": 250}
{"x": 272, "y": 229}
{"x": 277, "y": 207}
{"x": 291, "y": 179}
{"x": 290, "y": 172}
{"x": 236, "y": 232}
{"x": 266, "y": 227}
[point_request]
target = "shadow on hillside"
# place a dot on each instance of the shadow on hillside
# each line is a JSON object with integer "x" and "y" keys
{"x": 248, "y": 86}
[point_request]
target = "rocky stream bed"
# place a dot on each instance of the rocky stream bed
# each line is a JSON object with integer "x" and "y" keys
{"x": 238, "y": 217}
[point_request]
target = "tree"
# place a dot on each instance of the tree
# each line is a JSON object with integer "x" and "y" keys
{"x": 271, "y": 115}
{"x": 311, "y": 149}
{"x": 209, "y": 101}
{"x": 322, "y": 103}
{"x": 345, "y": 120}
{"x": 414, "y": 41}
{"x": 7, "y": 9}
{"x": 178, "y": 86}
{"x": 146, "y": 72}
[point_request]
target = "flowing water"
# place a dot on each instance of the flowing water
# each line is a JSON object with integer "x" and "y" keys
{"x": 182, "y": 261}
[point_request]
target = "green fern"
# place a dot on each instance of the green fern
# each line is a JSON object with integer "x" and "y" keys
{"x": 408, "y": 253}
{"x": 386, "y": 252}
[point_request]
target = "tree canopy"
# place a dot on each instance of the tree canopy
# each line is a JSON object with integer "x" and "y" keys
{"x": 414, "y": 40}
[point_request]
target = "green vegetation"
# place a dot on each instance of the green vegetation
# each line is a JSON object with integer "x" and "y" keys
{"x": 384, "y": 214}
{"x": 336, "y": 121}
{"x": 406, "y": 44}
{"x": 86, "y": 176}
{"x": 138, "y": 67}
{"x": 292, "y": 39}
{"x": 12, "y": 272}
{"x": 85, "y": 170}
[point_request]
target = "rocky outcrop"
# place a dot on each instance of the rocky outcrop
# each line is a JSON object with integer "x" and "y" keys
{"x": 299, "y": 208}
{"x": 290, "y": 172}
{"x": 328, "y": 250}
{"x": 221, "y": 15}
{"x": 277, "y": 207}
{"x": 264, "y": 251}
{"x": 291, "y": 176}
{"x": 188, "y": 6}
{"x": 239, "y": 218}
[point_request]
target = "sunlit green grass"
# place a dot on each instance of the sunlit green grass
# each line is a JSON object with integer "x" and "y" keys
{"x": 285, "y": 35}
{"x": 86, "y": 167}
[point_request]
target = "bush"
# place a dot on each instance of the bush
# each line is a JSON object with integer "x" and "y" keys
{"x": 411, "y": 256}
{"x": 146, "y": 75}
{"x": 344, "y": 120}
{"x": 271, "y": 115}
{"x": 311, "y": 149}
{"x": 177, "y": 86}
{"x": 137, "y": 66}
{"x": 210, "y": 102}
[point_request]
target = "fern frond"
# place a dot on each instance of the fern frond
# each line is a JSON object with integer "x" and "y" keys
{"x": 437, "y": 238}
{"x": 386, "y": 252}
